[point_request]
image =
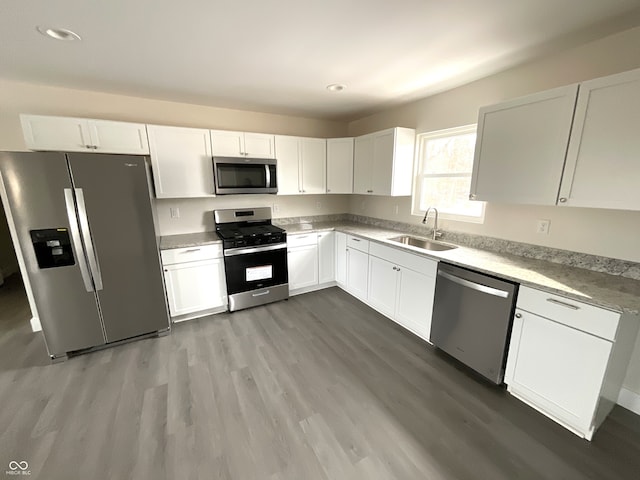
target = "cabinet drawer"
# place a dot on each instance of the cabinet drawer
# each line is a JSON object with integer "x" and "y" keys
{"x": 404, "y": 259}
{"x": 302, "y": 240}
{"x": 358, "y": 243}
{"x": 588, "y": 318}
{"x": 191, "y": 254}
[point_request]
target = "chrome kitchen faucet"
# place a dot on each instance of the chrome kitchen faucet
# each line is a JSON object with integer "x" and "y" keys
{"x": 436, "y": 233}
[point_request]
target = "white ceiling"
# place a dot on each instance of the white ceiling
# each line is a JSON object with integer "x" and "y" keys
{"x": 278, "y": 55}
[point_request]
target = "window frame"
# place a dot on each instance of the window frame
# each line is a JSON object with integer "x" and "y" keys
{"x": 421, "y": 141}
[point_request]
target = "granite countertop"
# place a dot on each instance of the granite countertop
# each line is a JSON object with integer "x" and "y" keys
{"x": 609, "y": 291}
{"x": 189, "y": 240}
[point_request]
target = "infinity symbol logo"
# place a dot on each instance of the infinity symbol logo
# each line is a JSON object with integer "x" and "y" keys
{"x": 13, "y": 465}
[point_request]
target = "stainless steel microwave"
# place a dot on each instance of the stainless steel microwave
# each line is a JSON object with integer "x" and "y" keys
{"x": 244, "y": 175}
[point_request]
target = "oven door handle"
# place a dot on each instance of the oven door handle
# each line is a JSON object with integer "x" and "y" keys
{"x": 242, "y": 251}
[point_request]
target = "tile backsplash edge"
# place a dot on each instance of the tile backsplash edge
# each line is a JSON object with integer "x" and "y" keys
{"x": 612, "y": 266}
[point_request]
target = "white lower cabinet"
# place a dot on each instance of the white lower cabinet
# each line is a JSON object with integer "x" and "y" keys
{"x": 303, "y": 266}
{"x": 310, "y": 259}
{"x": 341, "y": 259}
{"x": 195, "y": 281}
{"x": 357, "y": 267}
{"x": 401, "y": 293}
{"x": 567, "y": 359}
{"x": 326, "y": 257}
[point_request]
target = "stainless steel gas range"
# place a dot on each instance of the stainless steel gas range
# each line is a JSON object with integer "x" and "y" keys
{"x": 255, "y": 257}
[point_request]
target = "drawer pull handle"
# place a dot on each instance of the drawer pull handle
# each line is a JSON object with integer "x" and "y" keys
{"x": 192, "y": 250}
{"x": 563, "y": 304}
{"x": 266, "y": 292}
{"x": 355, "y": 239}
{"x": 518, "y": 315}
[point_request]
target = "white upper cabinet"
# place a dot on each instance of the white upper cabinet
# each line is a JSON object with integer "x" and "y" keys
{"x": 383, "y": 162}
{"x": 242, "y": 144}
{"x": 340, "y": 165}
{"x": 301, "y": 165}
{"x": 603, "y": 160}
{"x": 181, "y": 162}
{"x": 572, "y": 146}
{"x": 69, "y": 134}
{"x": 521, "y": 146}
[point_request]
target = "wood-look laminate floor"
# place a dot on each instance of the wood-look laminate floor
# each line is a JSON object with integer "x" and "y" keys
{"x": 317, "y": 387}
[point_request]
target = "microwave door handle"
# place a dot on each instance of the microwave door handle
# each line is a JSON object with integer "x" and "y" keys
{"x": 268, "y": 175}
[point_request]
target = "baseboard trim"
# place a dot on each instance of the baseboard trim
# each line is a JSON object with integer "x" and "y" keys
{"x": 35, "y": 324}
{"x": 629, "y": 400}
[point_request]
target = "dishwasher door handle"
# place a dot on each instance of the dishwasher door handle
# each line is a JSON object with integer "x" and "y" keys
{"x": 474, "y": 286}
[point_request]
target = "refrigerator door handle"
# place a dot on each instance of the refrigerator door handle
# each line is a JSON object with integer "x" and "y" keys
{"x": 75, "y": 238}
{"x": 88, "y": 240}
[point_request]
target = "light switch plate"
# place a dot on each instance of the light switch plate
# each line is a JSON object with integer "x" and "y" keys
{"x": 175, "y": 212}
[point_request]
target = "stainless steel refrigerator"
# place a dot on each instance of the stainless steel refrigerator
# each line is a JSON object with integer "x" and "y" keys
{"x": 84, "y": 223}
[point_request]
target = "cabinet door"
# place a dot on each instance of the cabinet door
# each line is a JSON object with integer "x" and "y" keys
{"x": 602, "y": 168}
{"x": 119, "y": 137}
{"x": 313, "y": 163}
{"x": 259, "y": 145}
{"x": 341, "y": 259}
{"x": 56, "y": 133}
{"x": 357, "y": 272}
{"x": 383, "y": 156}
{"x": 227, "y": 144}
{"x": 521, "y": 147}
{"x": 363, "y": 165}
{"x": 303, "y": 266}
{"x": 557, "y": 368}
{"x": 181, "y": 162}
{"x": 415, "y": 301}
{"x": 288, "y": 156}
{"x": 195, "y": 286}
{"x": 340, "y": 165}
{"x": 326, "y": 257}
{"x": 383, "y": 282}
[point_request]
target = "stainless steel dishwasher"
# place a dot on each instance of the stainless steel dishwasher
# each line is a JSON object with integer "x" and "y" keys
{"x": 472, "y": 318}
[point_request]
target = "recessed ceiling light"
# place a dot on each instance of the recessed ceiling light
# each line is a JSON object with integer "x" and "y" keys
{"x": 336, "y": 87}
{"x": 59, "y": 33}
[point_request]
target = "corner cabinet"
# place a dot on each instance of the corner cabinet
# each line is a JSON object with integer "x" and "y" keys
{"x": 70, "y": 134}
{"x": 195, "y": 281}
{"x": 571, "y": 146}
{"x": 567, "y": 359}
{"x": 302, "y": 165}
{"x": 242, "y": 144}
{"x": 340, "y": 165}
{"x": 311, "y": 260}
{"x": 181, "y": 162}
{"x": 383, "y": 162}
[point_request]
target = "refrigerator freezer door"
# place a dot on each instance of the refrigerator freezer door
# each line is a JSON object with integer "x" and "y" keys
{"x": 35, "y": 184}
{"x": 120, "y": 221}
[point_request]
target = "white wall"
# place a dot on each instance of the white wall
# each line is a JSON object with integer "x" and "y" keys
{"x": 197, "y": 215}
{"x": 600, "y": 232}
{"x": 17, "y": 97}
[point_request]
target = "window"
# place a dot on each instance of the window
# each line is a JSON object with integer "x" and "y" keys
{"x": 443, "y": 174}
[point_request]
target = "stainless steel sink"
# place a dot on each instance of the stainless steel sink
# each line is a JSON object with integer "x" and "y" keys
{"x": 422, "y": 243}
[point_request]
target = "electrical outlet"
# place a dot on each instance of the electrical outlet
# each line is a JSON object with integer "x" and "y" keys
{"x": 276, "y": 208}
{"x": 175, "y": 212}
{"x": 543, "y": 227}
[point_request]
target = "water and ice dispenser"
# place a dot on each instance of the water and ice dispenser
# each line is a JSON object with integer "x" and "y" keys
{"x": 52, "y": 247}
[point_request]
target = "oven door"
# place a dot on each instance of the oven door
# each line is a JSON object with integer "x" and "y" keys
{"x": 256, "y": 275}
{"x": 244, "y": 175}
